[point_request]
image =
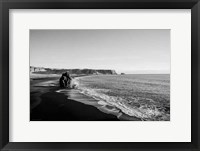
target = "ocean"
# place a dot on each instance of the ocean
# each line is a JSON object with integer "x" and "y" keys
{"x": 145, "y": 96}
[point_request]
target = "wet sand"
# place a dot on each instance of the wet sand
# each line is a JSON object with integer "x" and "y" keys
{"x": 51, "y": 103}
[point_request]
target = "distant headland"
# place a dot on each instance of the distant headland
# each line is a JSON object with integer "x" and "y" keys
{"x": 43, "y": 70}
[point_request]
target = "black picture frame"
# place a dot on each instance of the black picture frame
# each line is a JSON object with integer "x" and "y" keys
{"x": 5, "y": 5}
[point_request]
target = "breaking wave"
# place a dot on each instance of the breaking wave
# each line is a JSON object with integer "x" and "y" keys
{"x": 134, "y": 106}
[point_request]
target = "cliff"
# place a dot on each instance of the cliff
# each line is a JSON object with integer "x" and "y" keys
{"x": 71, "y": 71}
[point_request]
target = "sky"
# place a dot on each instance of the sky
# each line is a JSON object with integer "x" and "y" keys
{"x": 123, "y": 50}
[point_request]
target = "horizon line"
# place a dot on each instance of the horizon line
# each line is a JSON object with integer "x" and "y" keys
{"x": 119, "y": 72}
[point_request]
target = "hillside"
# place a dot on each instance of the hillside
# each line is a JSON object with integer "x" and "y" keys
{"x": 42, "y": 70}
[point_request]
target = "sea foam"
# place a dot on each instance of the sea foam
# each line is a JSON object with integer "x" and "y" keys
{"x": 141, "y": 107}
{"x": 141, "y": 112}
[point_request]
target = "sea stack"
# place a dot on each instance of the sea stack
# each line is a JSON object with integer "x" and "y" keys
{"x": 65, "y": 80}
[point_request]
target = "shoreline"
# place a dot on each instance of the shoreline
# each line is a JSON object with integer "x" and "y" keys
{"x": 100, "y": 105}
{"x": 105, "y": 107}
{"x": 57, "y": 107}
{"x": 49, "y": 105}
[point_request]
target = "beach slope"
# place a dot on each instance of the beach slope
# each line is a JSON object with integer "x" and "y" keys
{"x": 49, "y": 105}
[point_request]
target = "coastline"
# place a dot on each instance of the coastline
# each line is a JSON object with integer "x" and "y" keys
{"x": 57, "y": 107}
{"x": 49, "y": 103}
{"x": 103, "y": 105}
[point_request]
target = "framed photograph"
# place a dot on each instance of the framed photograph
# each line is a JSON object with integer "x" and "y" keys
{"x": 91, "y": 75}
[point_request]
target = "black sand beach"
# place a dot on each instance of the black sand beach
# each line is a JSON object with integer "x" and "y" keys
{"x": 48, "y": 105}
{"x": 48, "y": 102}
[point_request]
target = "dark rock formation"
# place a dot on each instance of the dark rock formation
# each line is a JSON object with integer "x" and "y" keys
{"x": 65, "y": 80}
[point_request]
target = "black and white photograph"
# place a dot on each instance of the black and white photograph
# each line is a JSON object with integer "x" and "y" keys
{"x": 99, "y": 74}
